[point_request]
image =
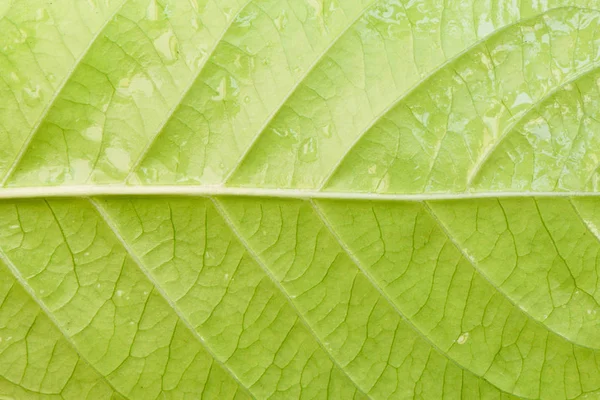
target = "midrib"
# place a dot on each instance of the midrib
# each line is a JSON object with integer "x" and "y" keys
{"x": 208, "y": 191}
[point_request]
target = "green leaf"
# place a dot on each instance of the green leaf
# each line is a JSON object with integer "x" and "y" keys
{"x": 357, "y": 199}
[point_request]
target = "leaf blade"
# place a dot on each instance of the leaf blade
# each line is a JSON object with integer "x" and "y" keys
{"x": 374, "y": 240}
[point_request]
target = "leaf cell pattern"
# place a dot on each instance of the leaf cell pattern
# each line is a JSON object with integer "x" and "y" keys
{"x": 485, "y": 295}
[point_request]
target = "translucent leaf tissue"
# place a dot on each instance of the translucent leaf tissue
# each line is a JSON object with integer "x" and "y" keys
{"x": 299, "y": 199}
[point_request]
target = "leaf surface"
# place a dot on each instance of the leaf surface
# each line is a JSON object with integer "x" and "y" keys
{"x": 251, "y": 199}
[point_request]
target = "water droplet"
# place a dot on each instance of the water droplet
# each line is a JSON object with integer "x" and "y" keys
{"x": 93, "y": 5}
{"x": 51, "y": 77}
{"x": 308, "y": 150}
{"x": 226, "y": 276}
{"x": 591, "y": 314}
{"x": 326, "y": 130}
{"x": 14, "y": 77}
{"x": 79, "y": 169}
{"x": 196, "y": 58}
{"x": 484, "y": 28}
{"x": 153, "y": 11}
{"x": 139, "y": 84}
{"x": 522, "y": 98}
{"x": 280, "y": 133}
{"x": 119, "y": 158}
{"x": 168, "y": 13}
{"x": 221, "y": 91}
{"x": 281, "y": 21}
{"x": 41, "y": 15}
{"x": 234, "y": 85}
{"x": 266, "y": 61}
{"x": 244, "y": 67}
{"x": 317, "y": 6}
{"x": 247, "y": 99}
{"x": 228, "y": 11}
{"x": 16, "y": 37}
{"x": 119, "y": 293}
{"x": 168, "y": 47}
{"x": 462, "y": 339}
{"x": 373, "y": 169}
{"x": 93, "y": 133}
{"x": 196, "y": 22}
{"x": 245, "y": 21}
{"x": 32, "y": 95}
{"x": 98, "y": 285}
{"x": 238, "y": 61}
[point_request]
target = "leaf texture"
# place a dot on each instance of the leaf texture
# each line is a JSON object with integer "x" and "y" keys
{"x": 252, "y": 199}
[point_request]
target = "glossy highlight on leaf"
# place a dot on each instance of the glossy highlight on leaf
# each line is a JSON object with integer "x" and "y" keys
{"x": 299, "y": 199}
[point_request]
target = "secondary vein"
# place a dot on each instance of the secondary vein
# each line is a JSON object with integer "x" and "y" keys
{"x": 106, "y": 218}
